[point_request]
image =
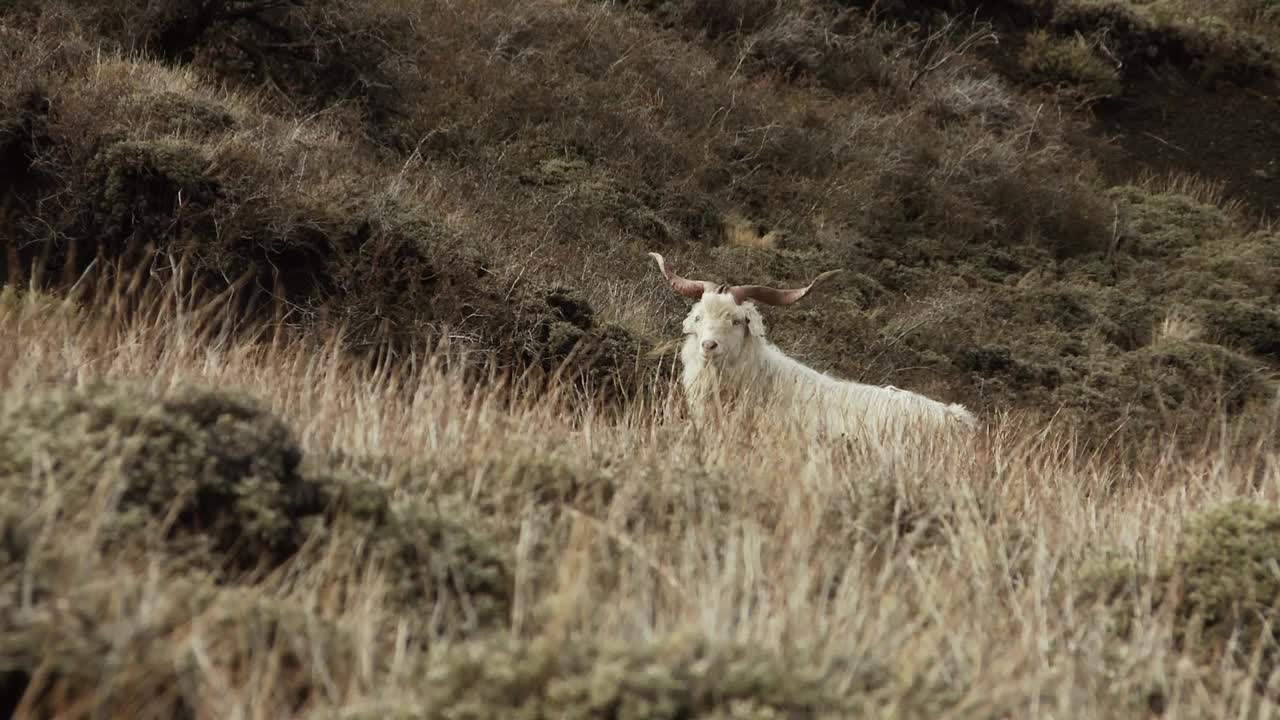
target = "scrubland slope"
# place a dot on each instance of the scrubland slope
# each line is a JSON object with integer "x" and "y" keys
{"x": 337, "y": 383}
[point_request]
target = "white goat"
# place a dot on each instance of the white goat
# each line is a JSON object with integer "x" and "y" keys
{"x": 726, "y": 359}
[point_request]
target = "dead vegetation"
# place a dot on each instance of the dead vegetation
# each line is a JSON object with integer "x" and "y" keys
{"x": 334, "y": 361}
{"x": 354, "y": 531}
{"x": 337, "y": 170}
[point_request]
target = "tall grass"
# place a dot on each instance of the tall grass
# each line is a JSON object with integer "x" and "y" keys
{"x": 912, "y": 580}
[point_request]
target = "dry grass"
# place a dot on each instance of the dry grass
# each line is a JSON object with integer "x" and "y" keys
{"x": 633, "y": 566}
{"x": 1257, "y": 17}
{"x": 1177, "y": 326}
{"x": 909, "y": 581}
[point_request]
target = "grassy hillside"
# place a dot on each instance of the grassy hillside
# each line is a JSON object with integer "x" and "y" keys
{"x": 338, "y": 382}
{"x": 205, "y": 527}
{"x": 410, "y": 173}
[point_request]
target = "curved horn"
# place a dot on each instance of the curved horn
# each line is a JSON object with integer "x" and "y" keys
{"x": 776, "y": 296}
{"x": 688, "y": 288}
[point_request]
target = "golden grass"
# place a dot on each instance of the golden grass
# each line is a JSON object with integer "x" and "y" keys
{"x": 951, "y": 576}
{"x": 1260, "y": 18}
{"x": 1177, "y": 326}
{"x": 1198, "y": 188}
{"x": 913, "y": 580}
{"x": 741, "y": 232}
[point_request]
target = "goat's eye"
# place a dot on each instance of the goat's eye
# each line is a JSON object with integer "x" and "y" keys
{"x": 737, "y": 322}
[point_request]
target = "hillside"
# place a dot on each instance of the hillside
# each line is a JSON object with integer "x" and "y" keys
{"x": 405, "y": 184}
{"x": 338, "y": 380}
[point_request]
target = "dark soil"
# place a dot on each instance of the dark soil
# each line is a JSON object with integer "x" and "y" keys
{"x": 1226, "y": 133}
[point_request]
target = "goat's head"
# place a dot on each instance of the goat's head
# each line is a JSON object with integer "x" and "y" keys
{"x": 725, "y": 316}
{"x": 722, "y": 326}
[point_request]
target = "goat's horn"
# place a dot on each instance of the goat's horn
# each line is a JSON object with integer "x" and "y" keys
{"x": 688, "y": 288}
{"x": 776, "y": 296}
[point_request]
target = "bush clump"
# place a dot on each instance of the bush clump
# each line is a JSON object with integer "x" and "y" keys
{"x": 175, "y": 113}
{"x": 1228, "y": 573}
{"x": 675, "y": 677}
{"x": 70, "y": 647}
{"x": 446, "y": 572}
{"x": 202, "y": 470}
{"x": 60, "y": 649}
{"x": 1071, "y": 61}
{"x": 315, "y": 54}
{"x": 1225, "y": 583}
{"x": 603, "y": 359}
{"x": 1164, "y": 225}
{"x": 150, "y": 191}
{"x": 1251, "y": 326}
{"x": 214, "y": 482}
{"x": 1170, "y": 384}
{"x": 1182, "y": 373}
{"x": 1140, "y": 40}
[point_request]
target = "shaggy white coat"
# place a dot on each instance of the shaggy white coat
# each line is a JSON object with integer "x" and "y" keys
{"x": 746, "y": 369}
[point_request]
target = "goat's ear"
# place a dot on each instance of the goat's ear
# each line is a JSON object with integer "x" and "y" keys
{"x": 690, "y": 325}
{"x": 755, "y": 322}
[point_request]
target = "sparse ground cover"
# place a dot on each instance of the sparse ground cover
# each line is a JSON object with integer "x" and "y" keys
{"x": 336, "y": 381}
{"x": 373, "y": 542}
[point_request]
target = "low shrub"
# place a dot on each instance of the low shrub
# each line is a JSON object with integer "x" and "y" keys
{"x": 1220, "y": 585}
{"x": 1070, "y": 61}
{"x": 199, "y": 472}
{"x": 673, "y": 677}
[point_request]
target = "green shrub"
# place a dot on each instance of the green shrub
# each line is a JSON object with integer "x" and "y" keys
{"x": 674, "y": 677}
{"x": 139, "y": 187}
{"x": 1164, "y": 225}
{"x": 198, "y": 471}
{"x": 1185, "y": 374}
{"x": 1138, "y": 37}
{"x": 604, "y": 360}
{"x": 1225, "y": 583}
{"x": 1245, "y": 264}
{"x": 1251, "y": 326}
{"x": 998, "y": 360}
{"x": 446, "y": 572}
{"x": 1228, "y": 573}
{"x": 1169, "y": 384}
{"x": 69, "y": 648}
{"x": 213, "y": 482}
{"x": 60, "y": 649}
{"x": 180, "y": 114}
{"x": 1071, "y": 61}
